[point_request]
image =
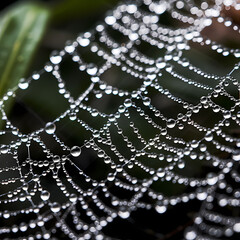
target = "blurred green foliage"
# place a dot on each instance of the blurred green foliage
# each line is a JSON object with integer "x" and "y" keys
{"x": 22, "y": 27}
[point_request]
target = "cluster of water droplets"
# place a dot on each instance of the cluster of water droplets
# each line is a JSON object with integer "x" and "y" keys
{"x": 155, "y": 139}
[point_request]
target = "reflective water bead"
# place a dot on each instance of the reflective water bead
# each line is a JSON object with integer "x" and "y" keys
{"x": 128, "y": 103}
{"x": 83, "y": 41}
{"x": 209, "y": 137}
{"x": 4, "y": 149}
{"x": 55, "y": 57}
{"x": 146, "y": 101}
{"x": 160, "y": 63}
{"x": 110, "y": 20}
{"x": 110, "y": 177}
{"x": 212, "y": 178}
{"x": 190, "y": 234}
{"x": 35, "y": 76}
{"x": 236, "y": 156}
{"x": 50, "y": 128}
{"x": 69, "y": 48}
{"x": 160, "y": 208}
{"x": 45, "y": 195}
{"x": 123, "y": 212}
{"x": 236, "y": 227}
{"x": 73, "y": 198}
{"x": 55, "y": 207}
{"x": 201, "y": 194}
{"x": 171, "y": 123}
{"x": 75, "y": 151}
{"x": 92, "y": 69}
{"x": 23, "y": 84}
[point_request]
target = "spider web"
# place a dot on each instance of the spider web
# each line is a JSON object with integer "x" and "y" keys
{"x": 135, "y": 124}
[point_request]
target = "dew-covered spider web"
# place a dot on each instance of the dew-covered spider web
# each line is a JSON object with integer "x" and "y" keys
{"x": 135, "y": 123}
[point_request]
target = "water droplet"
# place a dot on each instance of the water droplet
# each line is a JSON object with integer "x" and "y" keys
{"x": 116, "y": 51}
{"x": 236, "y": 156}
{"x": 236, "y": 227}
{"x": 45, "y": 195}
{"x": 92, "y": 69}
{"x": 55, "y": 58}
{"x": 6, "y": 214}
{"x": 84, "y": 42}
{"x": 171, "y": 123}
{"x": 110, "y": 177}
{"x": 69, "y": 48}
{"x": 133, "y": 36}
{"x": 110, "y": 20}
{"x": 128, "y": 103}
{"x": 190, "y": 234}
{"x": 55, "y": 207}
{"x": 160, "y": 208}
{"x": 73, "y": 198}
{"x": 212, "y": 178}
{"x": 35, "y": 76}
{"x": 23, "y": 84}
{"x": 209, "y": 137}
{"x": 4, "y": 149}
{"x": 50, "y": 128}
{"x": 146, "y": 101}
{"x": 131, "y": 8}
{"x": 75, "y": 151}
{"x": 160, "y": 173}
{"x": 160, "y": 64}
{"x": 123, "y": 212}
{"x": 201, "y": 194}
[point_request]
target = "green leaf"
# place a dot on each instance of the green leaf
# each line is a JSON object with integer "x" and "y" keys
{"x": 21, "y": 29}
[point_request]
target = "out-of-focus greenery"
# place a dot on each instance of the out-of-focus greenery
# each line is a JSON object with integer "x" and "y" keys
{"x": 23, "y": 26}
{"x": 21, "y": 29}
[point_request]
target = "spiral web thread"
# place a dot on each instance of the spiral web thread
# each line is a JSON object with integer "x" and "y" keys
{"x": 147, "y": 135}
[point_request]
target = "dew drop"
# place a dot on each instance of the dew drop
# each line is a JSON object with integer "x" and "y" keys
{"x": 123, "y": 212}
{"x": 146, "y": 101}
{"x": 160, "y": 64}
{"x": 110, "y": 20}
{"x": 4, "y": 149}
{"x": 35, "y": 76}
{"x": 236, "y": 227}
{"x": 23, "y": 84}
{"x": 45, "y": 195}
{"x": 75, "y": 151}
{"x": 201, "y": 194}
{"x": 133, "y": 36}
{"x": 55, "y": 58}
{"x": 55, "y": 207}
{"x": 171, "y": 123}
{"x": 110, "y": 177}
{"x": 190, "y": 234}
{"x": 161, "y": 208}
{"x": 69, "y": 48}
{"x": 73, "y": 198}
{"x": 84, "y": 42}
{"x": 92, "y": 69}
{"x": 50, "y": 128}
{"x": 128, "y": 103}
{"x": 236, "y": 156}
{"x": 209, "y": 137}
{"x": 6, "y": 214}
{"x": 160, "y": 173}
{"x": 212, "y": 178}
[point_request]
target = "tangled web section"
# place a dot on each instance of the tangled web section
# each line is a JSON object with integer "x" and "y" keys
{"x": 139, "y": 114}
